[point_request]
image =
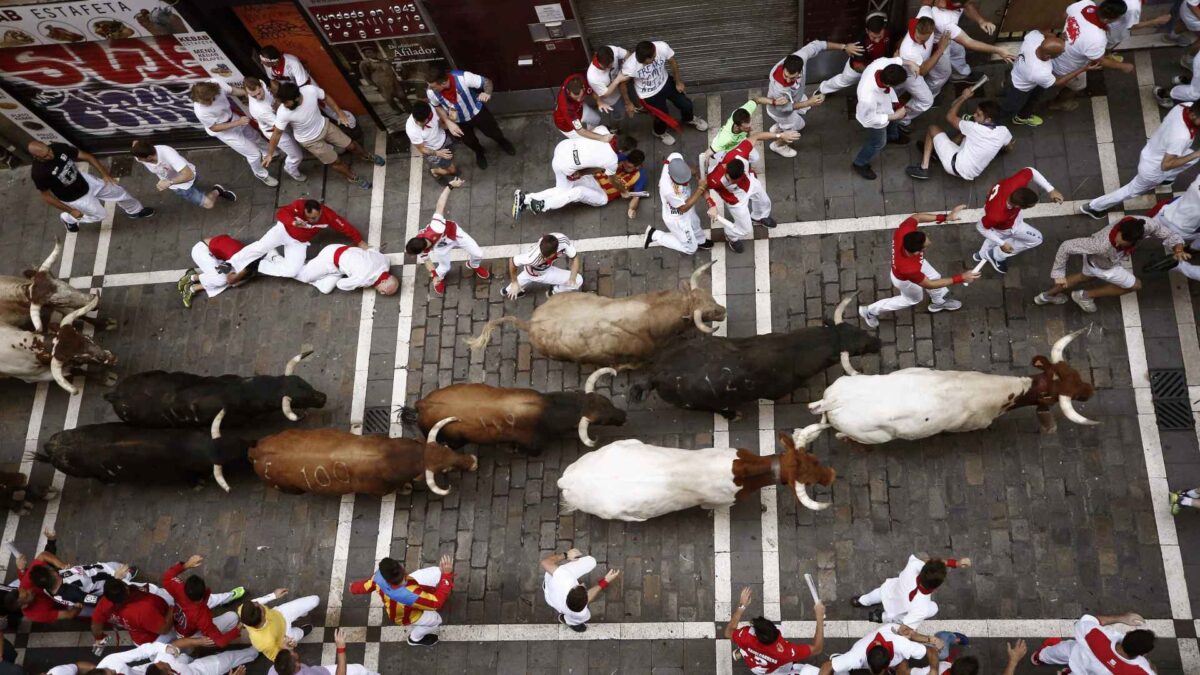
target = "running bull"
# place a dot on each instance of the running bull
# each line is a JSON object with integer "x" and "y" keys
{"x": 29, "y": 302}
{"x": 43, "y": 356}
{"x": 331, "y": 462}
{"x": 526, "y": 418}
{"x": 919, "y": 402}
{"x": 161, "y": 399}
{"x": 719, "y": 374}
{"x": 630, "y": 480}
{"x": 588, "y": 328}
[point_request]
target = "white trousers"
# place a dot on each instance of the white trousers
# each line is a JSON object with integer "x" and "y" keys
{"x": 288, "y": 265}
{"x": 557, "y": 277}
{"x": 1141, "y": 184}
{"x": 442, "y": 257}
{"x": 223, "y": 662}
{"x": 213, "y": 281}
{"x": 793, "y": 120}
{"x": 590, "y": 118}
{"x": 295, "y": 609}
{"x": 291, "y": 150}
{"x": 91, "y": 206}
{"x": 567, "y": 191}
{"x": 849, "y": 77}
{"x": 920, "y": 97}
{"x": 953, "y": 62}
{"x": 1191, "y": 91}
{"x": 1021, "y": 237}
{"x": 248, "y": 143}
{"x": 875, "y": 597}
{"x": 685, "y": 234}
{"x": 958, "y": 60}
{"x": 755, "y": 206}
{"x": 1058, "y": 654}
{"x": 910, "y": 293}
{"x": 425, "y": 625}
{"x": 351, "y": 669}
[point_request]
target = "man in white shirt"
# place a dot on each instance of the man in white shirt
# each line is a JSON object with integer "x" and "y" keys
{"x": 536, "y": 266}
{"x": 878, "y": 651}
{"x": 300, "y": 111}
{"x": 261, "y": 106}
{"x": 1086, "y": 35}
{"x": 684, "y": 233}
{"x": 1182, "y": 214}
{"x": 647, "y": 67}
{"x": 1168, "y": 153}
{"x": 945, "y": 15}
{"x": 1099, "y": 650}
{"x": 878, "y": 110}
{"x": 211, "y": 107}
{"x": 602, "y": 76}
{"x": 163, "y": 658}
{"x": 428, "y": 137}
{"x": 434, "y": 243}
{"x": 281, "y": 67}
{"x": 177, "y": 175}
{"x": 576, "y": 161}
{"x": 349, "y": 268}
{"x": 908, "y": 597}
{"x": 921, "y": 54}
{"x": 983, "y": 139}
{"x": 1032, "y": 73}
{"x": 788, "y": 82}
{"x": 563, "y": 591}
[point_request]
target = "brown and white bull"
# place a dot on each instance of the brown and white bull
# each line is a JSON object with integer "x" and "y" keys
{"x": 920, "y": 402}
{"x": 630, "y": 480}
{"x": 588, "y": 328}
{"x": 332, "y": 462}
{"x": 529, "y": 419}
{"x": 43, "y": 356}
{"x": 31, "y": 301}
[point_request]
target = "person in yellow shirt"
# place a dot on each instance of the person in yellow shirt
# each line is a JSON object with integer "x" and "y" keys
{"x": 270, "y": 629}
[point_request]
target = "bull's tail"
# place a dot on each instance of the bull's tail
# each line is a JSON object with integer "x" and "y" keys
{"x": 565, "y": 507}
{"x": 408, "y": 415}
{"x": 480, "y": 341}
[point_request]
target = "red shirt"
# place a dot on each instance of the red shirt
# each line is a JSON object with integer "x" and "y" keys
{"x": 223, "y": 246}
{"x": 289, "y": 214}
{"x": 42, "y": 610}
{"x": 997, "y": 213}
{"x": 190, "y": 616}
{"x": 143, "y": 616}
{"x": 451, "y": 232}
{"x": 719, "y": 183}
{"x": 905, "y": 266}
{"x": 769, "y": 657}
{"x": 568, "y": 111}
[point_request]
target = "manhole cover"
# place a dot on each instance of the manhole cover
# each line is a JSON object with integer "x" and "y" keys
{"x": 377, "y": 420}
{"x": 1172, "y": 405}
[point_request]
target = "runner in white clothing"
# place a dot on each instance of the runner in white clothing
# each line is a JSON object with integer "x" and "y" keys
{"x": 262, "y": 105}
{"x": 1182, "y": 214}
{"x": 168, "y": 659}
{"x": 576, "y": 161}
{"x": 601, "y": 76}
{"x": 678, "y": 209}
{"x": 1032, "y": 73}
{"x": 878, "y": 651}
{"x": 908, "y": 597}
{"x": 788, "y": 83}
{"x": 349, "y": 268}
{"x": 983, "y": 139}
{"x": 299, "y": 110}
{"x": 1086, "y": 34}
{"x": 210, "y": 103}
{"x": 921, "y": 53}
{"x": 945, "y": 15}
{"x": 177, "y": 175}
{"x": 536, "y": 266}
{"x": 562, "y": 589}
{"x": 1098, "y": 649}
{"x": 434, "y": 244}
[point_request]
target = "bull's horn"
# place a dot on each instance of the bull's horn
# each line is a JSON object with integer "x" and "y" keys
{"x": 584, "y": 437}
{"x": 216, "y": 424}
{"x": 846, "y": 364}
{"x": 291, "y": 364}
{"x": 219, "y": 476}
{"x": 35, "y": 315}
{"x": 432, "y": 482}
{"x": 50, "y": 259}
{"x": 1070, "y": 412}
{"x": 809, "y": 502}
{"x": 433, "y": 433}
{"x": 1056, "y": 352}
{"x": 590, "y": 386}
{"x": 698, "y": 319}
{"x": 74, "y": 316}
{"x": 695, "y": 280}
{"x": 287, "y": 409}
{"x": 56, "y": 369}
{"x": 840, "y": 310}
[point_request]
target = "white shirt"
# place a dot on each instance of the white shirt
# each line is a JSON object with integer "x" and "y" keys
{"x": 794, "y": 91}
{"x": 430, "y": 134}
{"x": 874, "y": 104}
{"x": 911, "y": 50}
{"x": 896, "y": 592}
{"x": 944, "y": 20}
{"x": 293, "y": 71}
{"x": 169, "y": 165}
{"x": 557, "y": 585}
{"x": 533, "y": 262}
{"x": 1119, "y": 29}
{"x": 674, "y": 196}
{"x": 649, "y": 79}
{"x": 856, "y": 656}
{"x": 574, "y": 154}
{"x": 1096, "y": 645}
{"x": 151, "y": 652}
{"x": 306, "y": 120}
{"x": 263, "y": 111}
{"x": 1028, "y": 70}
{"x": 68, "y": 669}
{"x": 216, "y": 112}
{"x": 1085, "y": 40}
{"x": 981, "y": 143}
{"x": 1183, "y": 214}
{"x": 1173, "y": 137}
{"x": 599, "y": 78}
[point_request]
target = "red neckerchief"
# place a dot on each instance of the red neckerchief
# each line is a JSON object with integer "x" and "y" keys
{"x": 912, "y": 32}
{"x": 597, "y": 64}
{"x": 1187, "y": 121}
{"x": 879, "y": 81}
{"x": 450, "y": 93}
{"x": 277, "y": 69}
{"x": 880, "y": 642}
{"x": 919, "y": 589}
{"x": 382, "y": 278}
{"x": 777, "y": 75}
{"x": 1112, "y": 236}
{"x": 1092, "y": 14}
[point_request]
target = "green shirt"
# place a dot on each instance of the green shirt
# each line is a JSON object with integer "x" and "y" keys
{"x": 726, "y": 139}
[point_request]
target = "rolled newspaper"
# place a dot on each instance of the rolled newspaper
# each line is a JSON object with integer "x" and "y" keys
{"x": 976, "y": 270}
{"x": 812, "y": 588}
{"x": 982, "y": 81}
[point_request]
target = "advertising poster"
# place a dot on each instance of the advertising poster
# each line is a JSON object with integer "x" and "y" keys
{"x": 73, "y": 22}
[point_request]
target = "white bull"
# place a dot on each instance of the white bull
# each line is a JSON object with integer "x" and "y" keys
{"x": 632, "y": 481}
{"x": 26, "y": 301}
{"x": 44, "y": 356}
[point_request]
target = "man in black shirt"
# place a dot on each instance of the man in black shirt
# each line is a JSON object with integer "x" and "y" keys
{"x": 78, "y": 195}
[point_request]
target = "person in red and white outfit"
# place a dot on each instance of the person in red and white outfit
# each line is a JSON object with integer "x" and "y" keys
{"x": 1182, "y": 214}
{"x": 1098, "y": 649}
{"x": 572, "y": 114}
{"x": 434, "y": 244}
{"x": 536, "y": 265}
{"x": 764, "y": 650}
{"x": 879, "y": 651}
{"x": 1005, "y": 232}
{"x": 876, "y": 43}
{"x": 912, "y": 275}
{"x": 261, "y": 105}
{"x": 210, "y": 103}
{"x": 194, "y": 603}
{"x": 349, "y": 268}
{"x": 946, "y": 14}
{"x": 296, "y": 224}
{"x": 1086, "y": 33}
{"x": 576, "y": 163}
{"x": 921, "y": 53}
{"x": 908, "y": 597}
{"x": 733, "y": 179}
{"x": 212, "y": 273}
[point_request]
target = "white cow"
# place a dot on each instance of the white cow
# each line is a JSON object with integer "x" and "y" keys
{"x": 919, "y": 402}
{"x": 630, "y": 480}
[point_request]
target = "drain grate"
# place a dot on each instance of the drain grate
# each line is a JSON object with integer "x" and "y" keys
{"x": 1172, "y": 406}
{"x": 377, "y": 420}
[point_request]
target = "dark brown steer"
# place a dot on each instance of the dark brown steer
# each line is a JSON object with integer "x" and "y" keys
{"x": 331, "y": 462}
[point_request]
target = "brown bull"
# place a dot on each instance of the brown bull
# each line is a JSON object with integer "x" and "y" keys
{"x": 588, "y": 328}
{"x": 331, "y": 462}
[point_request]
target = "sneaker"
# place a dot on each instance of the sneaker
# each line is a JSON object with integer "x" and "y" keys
{"x": 227, "y": 195}
{"x": 187, "y": 295}
{"x": 146, "y": 212}
{"x": 236, "y": 594}
{"x": 767, "y": 222}
{"x": 1185, "y": 62}
{"x": 1031, "y": 121}
{"x": 1181, "y": 79}
{"x": 225, "y": 267}
{"x": 185, "y": 279}
{"x": 1085, "y": 303}
{"x": 706, "y": 244}
{"x": 1043, "y": 299}
{"x": 362, "y": 183}
{"x": 439, "y": 289}
{"x": 518, "y": 204}
{"x": 649, "y": 236}
{"x": 949, "y": 305}
{"x": 876, "y": 615}
{"x": 917, "y": 172}
{"x": 378, "y": 160}
{"x": 865, "y": 171}
{"x": 70, "y": 225}
{"x": 1164, "y": 98}
{"x": 1036, "y": 657}
{"x": 482, "y": 272}
{"x": 872, "y": 321}
{"x": 854, "y": 601}
{"x": 427, "y": 641}
{"x": 305, "y": 630}
{"x": 1095, "y": 214}
{"x": 699, "y": 123}
{"x": 1000, "y": 266}
{"x": 1174, "y": 500}
{"x": 782, "y": 149}
{"x": 297, "y": 176}
{"x": 775, "y": 128}
{"x": 737, "y": 246}
{"x": 578, "y": 629}
{"x": 667, "y": 139}
{"x": 1180, "y": 39}
{"x": 269, "y": 180}
{"x": 481, "y": 161}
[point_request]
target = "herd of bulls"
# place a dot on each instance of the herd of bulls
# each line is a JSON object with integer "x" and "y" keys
{"x": 171, "y": 428}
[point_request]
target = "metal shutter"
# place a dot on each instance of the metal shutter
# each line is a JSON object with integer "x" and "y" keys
{"x": 715, "y": 41}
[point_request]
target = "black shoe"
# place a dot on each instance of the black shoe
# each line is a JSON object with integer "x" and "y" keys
{"x": 228, "y": 195}
{"x": 917, "y": 172}
{"x": 865, "y": 171}
{"x": 578, "y": 629}
{"x": 649, "y": 236}
{"x": 537, "y": 206}
{"x": 305, "y": 630}
{"x": 767, "y": 222}
{"x": 902, "y": 139}
{"x": 1000, "y": 266}
{"x": 146, "y": 212}
{"x": 508, "y": 148}
{"x": 876, "y": 615}
{"x": 706, "y": 244}
{"x": 224, "y": 267}
{"x": 856, "y": 604}
{"x": 737, "y": 246}
{"x": 1087, "y": 210}
{"x": 71, "y": 227}
{"x": 427, "y": 641}
{"x": 481, "y": 161}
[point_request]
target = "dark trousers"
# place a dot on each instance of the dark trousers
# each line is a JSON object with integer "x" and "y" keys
{"x": 1018, "y": 103}
{"x": 876, "y": 140}
{"x": 680, "y": 101}
{"x": 486, "y": 123}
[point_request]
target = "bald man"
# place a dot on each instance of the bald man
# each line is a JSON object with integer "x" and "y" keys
{"x": 1032, "y": 73}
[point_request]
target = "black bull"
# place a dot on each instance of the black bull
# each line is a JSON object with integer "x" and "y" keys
{"x": 719, "y": 374}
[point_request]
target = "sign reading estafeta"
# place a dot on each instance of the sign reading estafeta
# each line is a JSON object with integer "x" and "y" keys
{"x": 73, "y": 22}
